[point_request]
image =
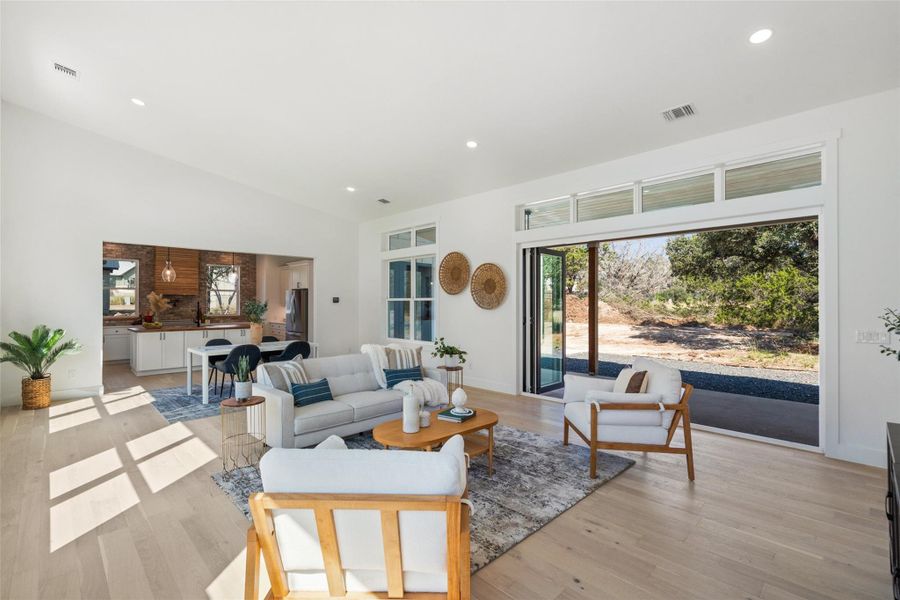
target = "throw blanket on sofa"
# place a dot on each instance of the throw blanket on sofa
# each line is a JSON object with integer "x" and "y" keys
{"x": 378, "y": 356}
{"x": 427, "y": 391}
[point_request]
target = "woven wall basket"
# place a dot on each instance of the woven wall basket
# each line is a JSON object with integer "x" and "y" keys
{"x": 488, "y": 286}
{"x": 454, "y": 273}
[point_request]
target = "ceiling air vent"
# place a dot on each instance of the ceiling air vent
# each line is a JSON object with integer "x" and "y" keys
{"x": 679, "y": 112}
{"x": 384, "y": 200}
{"x": 67, "y": 71}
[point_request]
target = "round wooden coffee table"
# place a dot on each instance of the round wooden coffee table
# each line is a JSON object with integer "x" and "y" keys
{"x": 390, "y": 435}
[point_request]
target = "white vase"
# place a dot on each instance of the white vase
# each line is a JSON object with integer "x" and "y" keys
{"x": 410, "y": 413}
{"x": 451, "y": 361}
{"x": 424, "y": 419}
{"x": 243, "y": 389}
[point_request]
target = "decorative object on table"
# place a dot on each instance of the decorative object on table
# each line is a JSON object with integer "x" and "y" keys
{"x": 243, "y": 431}
{"x": 424, "y": 419}
{"x": 452, "y": 356}
{"x": 891, "y": 320}
{"x": 158, "y": 304}
{"x": 410, "y": 413}
{"x": 35, "y": 354}
{"x": 243, "y": 385}
{"x": 255, "y": 311}
{"x": 488, "y": 286}
{"x": 452, "y": 416}
{"x": 459, "y": 399}
{"x": 454, "y": 272}
{"x": 168, "y": 272}
{"x": 498, "y": 523}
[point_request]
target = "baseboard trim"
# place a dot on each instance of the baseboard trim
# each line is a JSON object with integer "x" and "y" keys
{"x": 56, "y": 395}
{"x": 758, "y": 438}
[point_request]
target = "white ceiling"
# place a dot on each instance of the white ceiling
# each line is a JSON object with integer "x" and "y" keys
{"x": 304, "y": 99}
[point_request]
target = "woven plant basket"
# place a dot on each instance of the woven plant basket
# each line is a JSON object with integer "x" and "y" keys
{"x": 35, "y": 393}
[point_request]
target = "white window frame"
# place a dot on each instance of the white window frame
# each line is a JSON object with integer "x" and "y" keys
{"x": 137, "y": 289}
{"x": 411, "y": 254}
{"x": 237, "y": 289}
{"x": 718, "y": 171}
{"x": 413, "y": 297}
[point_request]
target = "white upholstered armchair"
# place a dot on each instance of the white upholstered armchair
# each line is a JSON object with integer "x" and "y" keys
{"x": 644, "y": 421}
{"x": 361, "y": 523}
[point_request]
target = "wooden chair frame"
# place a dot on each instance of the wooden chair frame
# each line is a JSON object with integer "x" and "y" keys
{"x": 682, "y": 413}
{"x": 261, "y": 538}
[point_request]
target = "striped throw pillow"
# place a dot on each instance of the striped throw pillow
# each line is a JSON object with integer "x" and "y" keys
{"x": 403, "y": 358}
{"x": 282, "y": 374}
{"x": 395, "y": 376}
{"x": 310, "y": 393}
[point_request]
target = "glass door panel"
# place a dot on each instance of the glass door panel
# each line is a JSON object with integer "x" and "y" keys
{"x": 550, "y": 319}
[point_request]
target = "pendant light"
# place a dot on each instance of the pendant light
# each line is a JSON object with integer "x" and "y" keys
{"x": 232, "y": 276}
{"x": 168, "y": 273}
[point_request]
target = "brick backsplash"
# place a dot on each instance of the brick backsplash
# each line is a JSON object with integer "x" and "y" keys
{"x": 184, "y": 306}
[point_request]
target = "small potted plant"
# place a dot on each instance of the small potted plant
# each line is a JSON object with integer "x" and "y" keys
{"x": 243, "y": 385}
{"x": 35, "y": 355}
{"x": 453, "y": 356}
{"x": 255, "y": 311}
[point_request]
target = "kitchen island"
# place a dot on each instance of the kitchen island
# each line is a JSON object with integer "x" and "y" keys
{"x": 163, "y": 349}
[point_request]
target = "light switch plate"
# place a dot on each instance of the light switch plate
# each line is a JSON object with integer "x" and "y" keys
{"x": 872, "y": 336}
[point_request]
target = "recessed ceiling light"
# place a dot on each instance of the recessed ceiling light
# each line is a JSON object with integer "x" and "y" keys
{"x": 760, "y": 36}
{"x": 137, "y": 101}
{"x": 350, "y": 188}
{"x": 471, "y": 144}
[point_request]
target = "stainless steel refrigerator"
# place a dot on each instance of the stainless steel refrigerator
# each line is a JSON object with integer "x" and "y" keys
{"x": 296, "y": 314}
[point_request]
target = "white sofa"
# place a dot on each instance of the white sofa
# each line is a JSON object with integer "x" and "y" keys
{"x": 359, "y": 402}
{"x": 351, "y": 493}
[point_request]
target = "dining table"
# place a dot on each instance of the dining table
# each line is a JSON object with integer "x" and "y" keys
{"x": 205, "y": 352}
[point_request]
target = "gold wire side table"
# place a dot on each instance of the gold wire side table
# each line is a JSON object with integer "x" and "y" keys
{"x": 243, "y": 432}
{"x": 454, "y": 378}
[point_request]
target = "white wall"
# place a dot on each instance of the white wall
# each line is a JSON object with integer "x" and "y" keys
{"x": 867, "y": 192}
{"x": 65, "y": 190}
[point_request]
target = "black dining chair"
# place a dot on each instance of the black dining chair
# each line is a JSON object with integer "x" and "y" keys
{"x": 229, "y": 365}
{"x": 268, "y": 354}
{"x": 293, "y": 349}
{"x": 214, "y": 360}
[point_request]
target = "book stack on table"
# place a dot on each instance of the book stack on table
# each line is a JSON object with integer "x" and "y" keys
{"x": 449, "y": 415}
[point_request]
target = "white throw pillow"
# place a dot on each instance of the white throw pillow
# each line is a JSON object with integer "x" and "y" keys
{"x": 332, "y": 442}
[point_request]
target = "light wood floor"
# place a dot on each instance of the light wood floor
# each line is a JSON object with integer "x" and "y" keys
{"x": 101, "y": 498}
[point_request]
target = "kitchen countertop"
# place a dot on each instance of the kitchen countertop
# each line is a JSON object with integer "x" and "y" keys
{"x": 214, "y": 326}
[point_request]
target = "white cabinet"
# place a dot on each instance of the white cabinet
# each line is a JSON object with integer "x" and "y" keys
{"x": 236, "y": 336}
{"x": 116, "y": 344}
{"x": 195, "y": 339}
{"x": 158, "y": 350}
{"x": 297, "y": 276}
{"x": 148, "y": 352}
{"x": 173, "y": 350}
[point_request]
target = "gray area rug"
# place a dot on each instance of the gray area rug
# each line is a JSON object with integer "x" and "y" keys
{"x": 535, "y": 480}
{"x": 175, "y": 405}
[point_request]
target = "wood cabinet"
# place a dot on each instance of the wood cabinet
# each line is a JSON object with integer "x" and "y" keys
{"x": 187, "y": 271}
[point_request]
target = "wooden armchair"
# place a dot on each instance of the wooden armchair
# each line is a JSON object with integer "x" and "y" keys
{"x": 361, "y": 542}
{"x": 643, "y": 422}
